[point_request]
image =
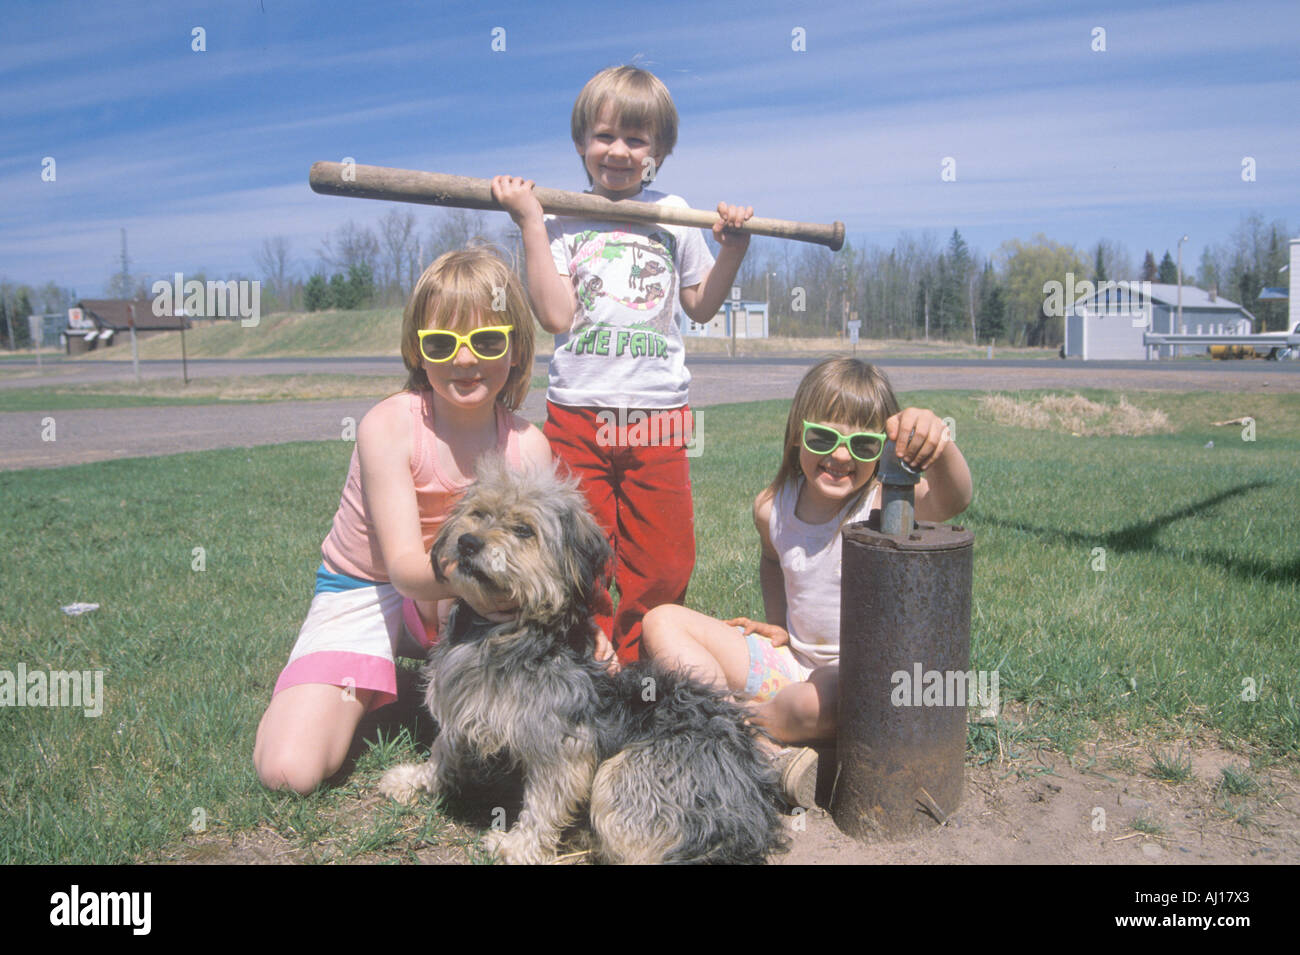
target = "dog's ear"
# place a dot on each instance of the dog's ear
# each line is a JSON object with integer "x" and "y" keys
{"x": 586, "y": 553}
{"x": 492, "y": 471}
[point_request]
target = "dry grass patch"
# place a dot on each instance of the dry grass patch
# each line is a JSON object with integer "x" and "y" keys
{"x": 1074, "y": 414}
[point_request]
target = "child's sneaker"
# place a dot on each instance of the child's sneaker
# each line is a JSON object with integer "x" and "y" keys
{"x": 798, "y": 768}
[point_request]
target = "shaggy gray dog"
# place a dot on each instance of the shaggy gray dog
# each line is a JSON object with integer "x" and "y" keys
{"x": 668, "y": 767}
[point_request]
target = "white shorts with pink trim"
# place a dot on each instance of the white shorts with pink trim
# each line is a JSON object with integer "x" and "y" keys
{"x": 351, "y": 639}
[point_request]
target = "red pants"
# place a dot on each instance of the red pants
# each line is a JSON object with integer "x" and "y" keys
{"x": 637, "y": 481}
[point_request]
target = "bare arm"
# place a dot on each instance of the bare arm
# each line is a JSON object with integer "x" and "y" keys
{"x": 945, "y": 491}
{"x": 701, "y": 302}
{"x": 384, "y": 447}
{"x": 534, "y": 449}
{"x": 770, "y": 577}
{"x": 552, "y": 294}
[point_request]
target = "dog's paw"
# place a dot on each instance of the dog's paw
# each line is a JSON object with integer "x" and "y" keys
{"x": 515, "y": 847}
{"x": 403, "y": 783}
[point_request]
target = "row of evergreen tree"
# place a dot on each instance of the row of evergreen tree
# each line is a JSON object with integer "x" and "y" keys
{"x": 917, "y": 288}
{"x": 352, "y": 291}
{"x": 920, "y": 288}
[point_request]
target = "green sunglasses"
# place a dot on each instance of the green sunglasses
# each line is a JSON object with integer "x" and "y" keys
{"x": 488, "y": 343}
{"x": 864, "y": 446}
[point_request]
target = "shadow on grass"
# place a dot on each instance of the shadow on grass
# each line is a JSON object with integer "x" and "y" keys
{"x": 1140, "y": 537}
{"x": 479, "y": 804}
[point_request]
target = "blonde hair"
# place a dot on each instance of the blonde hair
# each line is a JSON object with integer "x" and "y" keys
{"x": 639, "y": 99}
{"x": 458, "y": 292}
{"x": 847, "y": 391}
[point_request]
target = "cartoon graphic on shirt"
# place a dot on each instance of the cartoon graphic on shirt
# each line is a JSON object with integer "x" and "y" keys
{"x": 640, "y": 273}
{"x": 614, "y": 273}
{"x": 653, "y": 292}
{"x": 589, "y": 292}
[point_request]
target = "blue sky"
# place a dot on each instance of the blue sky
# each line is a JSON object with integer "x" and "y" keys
{"x": 201, "y": 156}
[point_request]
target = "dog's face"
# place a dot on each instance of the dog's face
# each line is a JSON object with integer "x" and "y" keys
{"x": 525, "y": 539}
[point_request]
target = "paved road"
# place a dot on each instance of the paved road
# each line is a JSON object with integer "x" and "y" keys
{"x": 1184, "y": 375}
{"x": 101, "y": 434}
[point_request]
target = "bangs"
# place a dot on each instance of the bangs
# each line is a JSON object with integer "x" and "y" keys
{"x": 461, "y": 313}
{"x": 461, "y": 301}
{"x": 635, "y": 97}
{"x": 630, "y": 107}
{"x": 854, "y": 403}
{"x": 855, "y": 411}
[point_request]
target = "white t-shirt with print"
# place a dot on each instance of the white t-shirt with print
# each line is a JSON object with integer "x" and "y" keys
{"x": 624, "y": 347}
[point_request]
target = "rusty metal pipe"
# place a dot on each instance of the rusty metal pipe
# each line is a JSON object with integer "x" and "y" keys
{"x": 904, "y": 649}
{"x": 897, "y": 493}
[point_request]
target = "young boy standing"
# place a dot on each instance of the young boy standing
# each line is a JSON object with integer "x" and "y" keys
{"x": 617, "y": 409}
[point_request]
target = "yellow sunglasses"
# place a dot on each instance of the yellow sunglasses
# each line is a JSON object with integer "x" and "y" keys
{"x": 488, "y": 343}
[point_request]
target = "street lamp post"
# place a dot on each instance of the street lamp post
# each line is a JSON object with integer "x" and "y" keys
{"x": 1182, "y": 329}
{"x": 767, "y": 298}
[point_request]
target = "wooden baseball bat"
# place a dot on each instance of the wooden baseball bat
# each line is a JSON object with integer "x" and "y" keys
{"x": 440, "y": 189}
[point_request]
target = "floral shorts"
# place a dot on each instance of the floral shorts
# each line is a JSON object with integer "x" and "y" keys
{"x": 770, "y": 669}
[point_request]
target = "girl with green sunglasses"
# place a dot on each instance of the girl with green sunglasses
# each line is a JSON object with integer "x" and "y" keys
{"x": 787, "y": 665}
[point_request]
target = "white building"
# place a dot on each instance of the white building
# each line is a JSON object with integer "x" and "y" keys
{"x": 1109, "y": 323}
{"x": 750, "y": 320}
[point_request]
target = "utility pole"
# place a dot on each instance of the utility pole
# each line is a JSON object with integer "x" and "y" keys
{"x": 970, "y": 301}
{"x": 135, "y": 350}
{"x": 125, "y": 274}
{"x": 844, "y": 300}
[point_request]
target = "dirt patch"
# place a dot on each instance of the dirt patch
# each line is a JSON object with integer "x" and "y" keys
{"x": 1106, "y": 805}
{"x": 1074, "y": 414}
{"x": 1056, "y": 811}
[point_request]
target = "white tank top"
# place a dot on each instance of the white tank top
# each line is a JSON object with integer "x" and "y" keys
{"x": 810, "y": 567}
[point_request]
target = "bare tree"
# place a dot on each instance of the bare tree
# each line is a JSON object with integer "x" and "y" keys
{"x": 396, "y": 236}
{"x": 50, "y": 297}
{"x": 416, "y": 263}
{"x": 273, "y": 262}
{"x": 1247, "y": 263}
{"x": 1115, "y": 261}
{"x": 350, "y": 246}
{"x": 455, "y": 229}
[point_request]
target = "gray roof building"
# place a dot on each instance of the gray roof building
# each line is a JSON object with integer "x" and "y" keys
{"x": 1109, "y": 322}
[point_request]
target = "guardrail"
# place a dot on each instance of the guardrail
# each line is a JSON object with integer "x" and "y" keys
{"x": 1152, "y": 340}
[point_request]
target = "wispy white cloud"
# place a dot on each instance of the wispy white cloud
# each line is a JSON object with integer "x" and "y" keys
{"x": 202, "y": 158}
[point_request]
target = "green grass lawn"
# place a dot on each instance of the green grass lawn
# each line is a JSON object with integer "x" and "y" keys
{"x": 1200, "y": 592}
{"x": 365, "y": 332}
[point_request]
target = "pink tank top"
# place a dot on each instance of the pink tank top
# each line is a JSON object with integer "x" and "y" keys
{"x": 352, "y": 546}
